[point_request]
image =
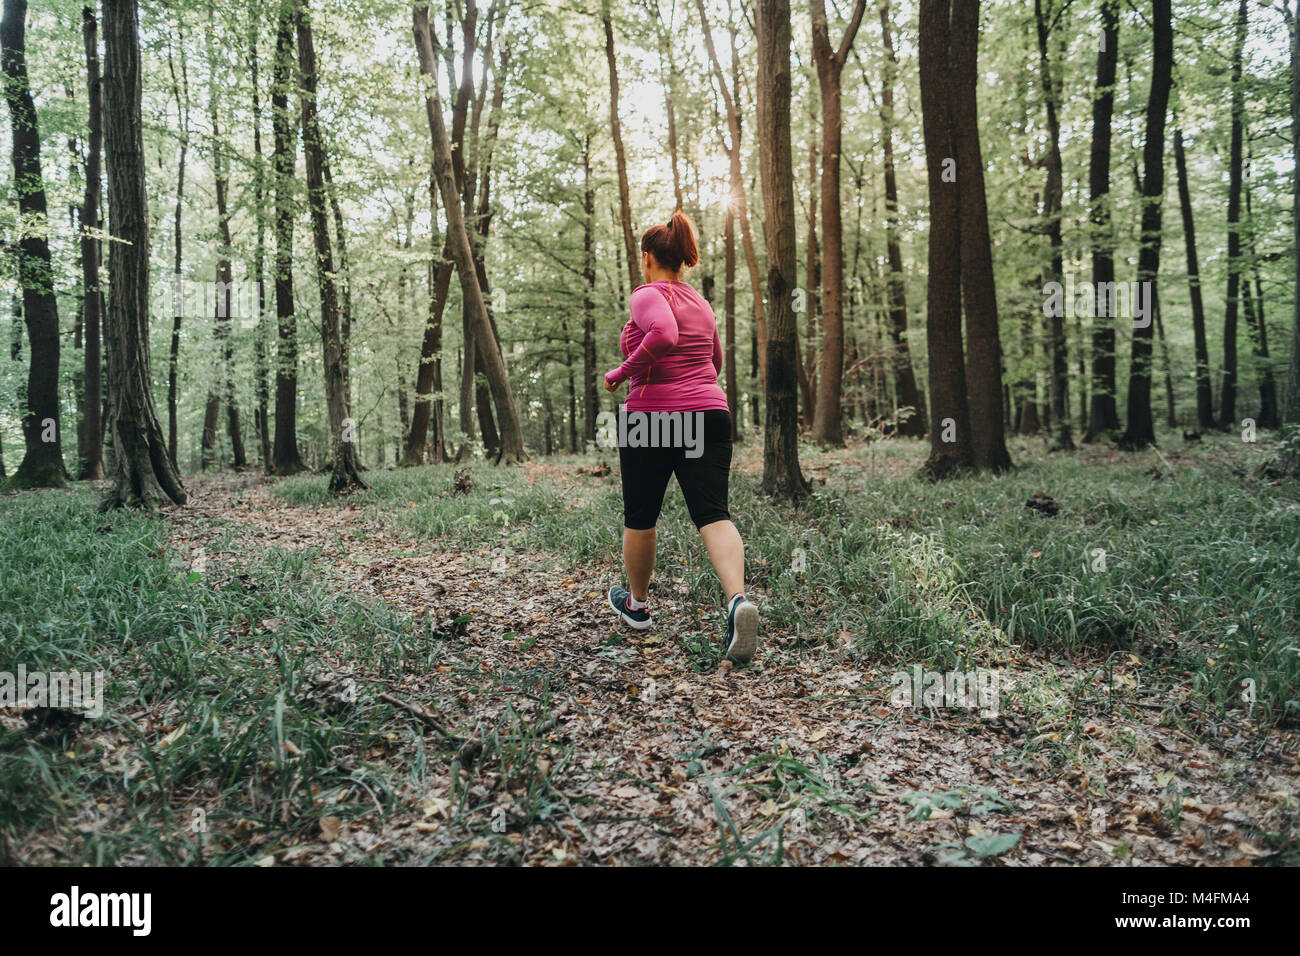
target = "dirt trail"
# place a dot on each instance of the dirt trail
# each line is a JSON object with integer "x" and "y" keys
{"x": 643, "y": 748}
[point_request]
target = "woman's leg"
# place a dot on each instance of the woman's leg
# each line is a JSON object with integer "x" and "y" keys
{"x": 726, "y": 551}
{"x": 639, "y": 560}
{"x": 645, "y": 473}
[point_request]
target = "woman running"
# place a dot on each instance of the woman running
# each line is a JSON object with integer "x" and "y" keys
{"x": 672, "y": 357}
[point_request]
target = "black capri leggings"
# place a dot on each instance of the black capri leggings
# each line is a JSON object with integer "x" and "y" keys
{"x": 646, "y": 470}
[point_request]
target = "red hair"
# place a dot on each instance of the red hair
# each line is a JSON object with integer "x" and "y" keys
{"x": 673, "y": 245}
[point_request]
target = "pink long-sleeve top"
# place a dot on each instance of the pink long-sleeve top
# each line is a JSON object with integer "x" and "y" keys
{"x": 672, "y": 351}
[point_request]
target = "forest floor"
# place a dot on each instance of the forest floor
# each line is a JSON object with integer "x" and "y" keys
{"x": 420, "y": 673}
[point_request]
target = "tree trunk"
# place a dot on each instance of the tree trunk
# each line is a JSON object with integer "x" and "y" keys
{"x": 1287, "y": 462}
{"x": 665, "y": 37}
{"x": 1204, "y": 398}
{"x": 430, "y": 374}
{"x": 807, "y": 368}
{"x": 262, "y": 417}
{"x": 729, "y": 310}
{"x": 1053, "y": 194}
{"x": 344, "y": 275}
{"x": 181, "y": 93}
{"x": 428, "y": 377}
{"x": 950, "y": 440}
{"x": 828, "y": 428}
{"x": 731, "y": 100}
{"x": 1103, "y": 415}
{"x": 208, "y": 438}
{"x": 908, "y": 395}
{"x": 482, "y": 156}
{"x": 1171, "y": 416}
{"x": 89, "y": 440}
{"x": 142, "y": 470}
{"x": 225, "y": 390}
{"x": 488, "y": 352}
{"x": 1228, "y": 393}
{"x": 1268, "y": 412}
{"x": 42, "y": 465}
{"x": 345, "y": 474}
{"x": 782, "y": 476}
{"x": 466, "y": 372}
{"x": 590, "y": 397}
{"x": 984, "y": 346}
{"x": 620, "y": 157}
{"x": 1140, "y": 431}
{"x": 573, "y": 386}
{"x": 287, "y": 459}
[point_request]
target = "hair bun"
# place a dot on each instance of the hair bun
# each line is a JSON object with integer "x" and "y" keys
{"x": 673, "y": 244}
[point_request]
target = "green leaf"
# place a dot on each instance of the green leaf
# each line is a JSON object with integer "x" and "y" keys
{"x": 994, "y": 845}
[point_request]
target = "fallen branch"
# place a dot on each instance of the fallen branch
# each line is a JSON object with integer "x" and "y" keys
{"x": 423, "y": 714}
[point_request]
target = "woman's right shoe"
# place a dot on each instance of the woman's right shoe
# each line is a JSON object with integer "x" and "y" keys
{"x": 638, "y": 618}
{"x": 741, "y": 637}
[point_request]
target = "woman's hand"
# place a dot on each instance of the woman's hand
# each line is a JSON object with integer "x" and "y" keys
{"x": 609, "y": 385}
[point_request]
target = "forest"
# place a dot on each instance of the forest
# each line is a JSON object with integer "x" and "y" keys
{"x": 308, "y": 308}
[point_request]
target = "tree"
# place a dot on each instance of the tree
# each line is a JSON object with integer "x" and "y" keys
{"x": 429, "y": 374}
{"x": 738, "y": 196}
{"x": 1053, "y": 192}
{"x": 181, "y": 93}
{"x": 807, "y": 368}
{"x": 142, "y": 473}
{"x": 261, "y": 415}
{"x": 983, "y": 347}
{"x": 1254, "y": 306}
{"x": 620, "y": 156}
{"x": 1140, "y": 430}
{"x": 1287, "y": 462}
{"x": 42, "y": 464}
{"x": 345, "y": 474}
{"x": 287, "y": 458}
{"x": 729, "y": 312}
{"x": 966, "y": 427}
{"x": 909, "y": 395}
{"x": 1204, "y": 398}
{"x": 512, "y": 440}
{"x": 828, "y": 417}
{"x": 667, "y": 79}
{"x": 90, "y": 443}
{"x": 1103, "y": 415}
{"x": 1228, "y": 391}
{"x": 950, "y": 443}
{"x": 782, "y": 476}
{"x": 223, "y": 389}
{"x": 589, "y": 394}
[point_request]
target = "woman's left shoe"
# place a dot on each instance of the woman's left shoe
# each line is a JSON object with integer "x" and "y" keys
{"x": 638, "y": 618}
{"x": 741, "y": 637}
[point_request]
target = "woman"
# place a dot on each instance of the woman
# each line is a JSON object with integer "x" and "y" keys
{"x": 672, "y": 356}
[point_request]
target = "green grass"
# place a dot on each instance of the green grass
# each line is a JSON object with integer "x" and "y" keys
{"x": 214, "y": 679}
{"x": 223, "y": 668}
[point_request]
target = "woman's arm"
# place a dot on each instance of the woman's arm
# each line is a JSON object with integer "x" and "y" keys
{"x": 653, "y": 316}
{"x": 717, "y": 350}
